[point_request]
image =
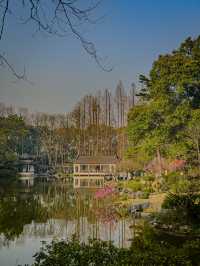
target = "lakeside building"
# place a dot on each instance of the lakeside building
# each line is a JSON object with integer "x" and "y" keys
{"x": 90, "y": 171}
{"x": 26, "y": 169}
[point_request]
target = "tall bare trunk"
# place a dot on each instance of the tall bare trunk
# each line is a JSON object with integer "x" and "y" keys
{"x": 159, "y": 162}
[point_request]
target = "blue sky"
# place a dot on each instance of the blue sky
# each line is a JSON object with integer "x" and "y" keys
{"x": 131, "y": 36}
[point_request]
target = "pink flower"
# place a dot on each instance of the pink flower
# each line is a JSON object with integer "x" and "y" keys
{"x": 104, "y": 192}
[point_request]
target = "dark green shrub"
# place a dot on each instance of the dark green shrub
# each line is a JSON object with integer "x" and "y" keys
{"x": 148, "y": 248}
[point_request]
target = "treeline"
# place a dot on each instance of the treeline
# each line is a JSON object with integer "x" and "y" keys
{"x": 96, "y": 126}
{"x": 101, "y": 119}
{"x": 105, "y": 108}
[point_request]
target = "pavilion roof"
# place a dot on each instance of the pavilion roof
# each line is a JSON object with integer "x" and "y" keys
{"x": 97, "y": 159}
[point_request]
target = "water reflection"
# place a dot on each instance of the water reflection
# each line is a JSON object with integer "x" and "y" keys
{"x": 88, "y": 181}
{"x": 29, "y": 215}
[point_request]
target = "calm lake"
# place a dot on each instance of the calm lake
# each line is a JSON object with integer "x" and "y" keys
{"x": 43, "y": 212}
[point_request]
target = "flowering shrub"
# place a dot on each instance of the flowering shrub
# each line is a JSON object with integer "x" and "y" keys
{"x": 104, "y": 192}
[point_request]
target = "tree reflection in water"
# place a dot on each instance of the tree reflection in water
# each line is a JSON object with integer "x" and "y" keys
{"x": 59, "y": 211}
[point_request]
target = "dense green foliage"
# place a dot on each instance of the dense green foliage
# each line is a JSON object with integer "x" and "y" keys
{"x": 16, "y": 138}
{"x": 186, "y": 205}
{"x": 146, "y": 249}
{"x": 166, "y": 122}
{"x": 12, "y": 129}
{"x": 180, "y": 215}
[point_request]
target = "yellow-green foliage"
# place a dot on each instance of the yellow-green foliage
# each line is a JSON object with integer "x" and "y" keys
{"x": 132, "y": 185}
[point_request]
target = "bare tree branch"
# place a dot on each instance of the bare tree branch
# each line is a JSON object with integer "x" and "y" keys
{"x": 4, "y": 63}
{"x": 55, "y": 17}
{"x": 3, "y": 18}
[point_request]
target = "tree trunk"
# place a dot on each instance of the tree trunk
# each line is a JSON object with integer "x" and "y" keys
{"x": 159, "y": 162}
{"x": 198, "y": 154}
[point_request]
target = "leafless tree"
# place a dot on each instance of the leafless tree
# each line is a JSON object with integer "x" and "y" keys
{"x": 2, "y": 109}
{"x": 120, "y": 99}
{"x": 101, "y": 119}
{"x": 54, "y": 17}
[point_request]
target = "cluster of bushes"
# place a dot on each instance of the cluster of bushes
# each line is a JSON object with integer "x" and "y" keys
{"x": 181, "y": 213}
{"x": 146, "y": 249}
{"x": 176, "y": 182}
{"x": 137, "y": 185}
